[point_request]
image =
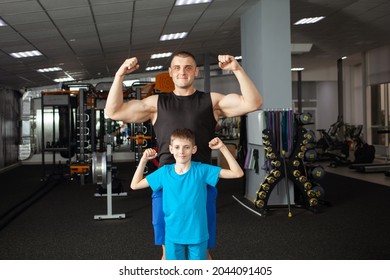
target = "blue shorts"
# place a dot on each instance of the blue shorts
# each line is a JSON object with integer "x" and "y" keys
{"x": 176, "y": 251}
{"x": 158, "y": 217}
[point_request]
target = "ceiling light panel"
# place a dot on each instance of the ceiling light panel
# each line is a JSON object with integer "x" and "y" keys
{"x": 51, "y": 69}
{"x": 154, "y": 68}
{"x": 62, "y": 80}
{"x": 191, "y": 2}
{"x": 26, "y": 54}
{"x": 173, "y": 36}
{"x": 309, "y": 20}
{"x": 160, "y": 55}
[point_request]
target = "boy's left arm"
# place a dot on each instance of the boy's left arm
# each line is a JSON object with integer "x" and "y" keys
{"x": 234, "y": 170}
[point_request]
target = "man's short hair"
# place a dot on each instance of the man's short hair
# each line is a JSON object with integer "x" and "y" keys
{"x": 182, "y": 54}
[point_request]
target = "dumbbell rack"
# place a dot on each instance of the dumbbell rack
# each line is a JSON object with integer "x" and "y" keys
{"x": 291, "y": 168}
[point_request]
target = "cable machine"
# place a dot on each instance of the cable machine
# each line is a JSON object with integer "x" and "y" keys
{"x": 61, "y": 140}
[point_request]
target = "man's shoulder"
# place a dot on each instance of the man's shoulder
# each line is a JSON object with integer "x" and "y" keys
{"x": 163, "y": 95}
{"x": 150, "y": 100}
{"x": 216, "y": 97}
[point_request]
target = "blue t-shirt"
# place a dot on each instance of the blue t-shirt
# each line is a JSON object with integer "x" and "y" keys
{"x": 184, "y": 200}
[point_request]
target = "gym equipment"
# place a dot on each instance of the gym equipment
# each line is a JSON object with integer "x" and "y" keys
{"x": 371, "y": 168}
{"x": 75, "y": 140}
{"x": 143, "y": 136}
{"x": 316, "y": 172}
{"x": 54, "y": 101}
{"x": 288, "y": 164}
{"x": 364, "y": 153}
{"x": 367, "y": 152}
{"x": 83, "y": 148}
{"x": 310, "y": 136}
{"x": 318, "y": 191}
{"x": 79, "y": 168}
{"x": 311, "y": 155}
{"x": 65, "y": 120}
{"x": 305, "y": 118}
{"x": 286, "y": 183}
{"x": 102, "y": 175}
{"x": 331, "y": 146}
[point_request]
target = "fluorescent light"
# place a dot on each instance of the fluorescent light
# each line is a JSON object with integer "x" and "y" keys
{"x": 61, "y": 80}
{"x": 173, "y": 36}
{"x": 2, "y": 22}
{"x": 153, "y": 68}
{"x": 309, "y": 20}
{"x": 26, "y": 54}
{"x": 190, "y": 2}
{"x": 160, "y": 55}
{"x": 51, "y": 69}
{"x": 344, "y": 57}
{"x": 297, "y": 69}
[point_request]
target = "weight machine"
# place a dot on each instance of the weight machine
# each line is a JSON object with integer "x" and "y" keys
{"x": 331, "y": 146}
{"x": 374, "y": 167}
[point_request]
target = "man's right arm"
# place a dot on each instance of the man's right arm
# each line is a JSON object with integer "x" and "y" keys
{"x": 133, "y": 110}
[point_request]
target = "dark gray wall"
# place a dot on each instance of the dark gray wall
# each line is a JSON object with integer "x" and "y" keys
{"x": 9, "y": 119}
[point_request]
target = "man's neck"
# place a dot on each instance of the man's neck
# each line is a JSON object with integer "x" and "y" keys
{"x": 184, "y": 91}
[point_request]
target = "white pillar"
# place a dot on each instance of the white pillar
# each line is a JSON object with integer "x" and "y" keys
{"x": 266, "y": 52}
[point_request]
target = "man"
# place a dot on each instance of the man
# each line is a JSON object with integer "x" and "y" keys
{"x": 184, "y": 107}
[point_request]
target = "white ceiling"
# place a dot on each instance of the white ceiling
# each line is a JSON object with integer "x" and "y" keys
{"x": 89, "y": 39}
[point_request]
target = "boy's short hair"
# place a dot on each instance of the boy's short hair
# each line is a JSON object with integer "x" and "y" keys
{"x": 183, "y": 133}
{"x": 182, "y": 54}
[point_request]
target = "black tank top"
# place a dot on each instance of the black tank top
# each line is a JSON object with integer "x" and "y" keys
{"x": 194, "y": 112}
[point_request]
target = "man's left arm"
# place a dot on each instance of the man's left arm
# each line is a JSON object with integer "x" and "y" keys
{"x": 235, "y": 104}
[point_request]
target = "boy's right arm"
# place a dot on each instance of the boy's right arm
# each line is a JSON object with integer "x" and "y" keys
{"x": 138, "y": 181}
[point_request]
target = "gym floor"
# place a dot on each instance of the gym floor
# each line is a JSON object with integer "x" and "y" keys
{"x": 56, "y": 221}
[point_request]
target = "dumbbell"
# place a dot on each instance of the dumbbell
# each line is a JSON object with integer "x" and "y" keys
{"x": 319, "y": 191}
{"x": 310, "y": 136}
{"x": 305, "y": 118}
{"x": 265, "y": 186}
{"x": 259, "y": 203}
{"x": 310, "y": 155}
{"x": 316, "y": 172}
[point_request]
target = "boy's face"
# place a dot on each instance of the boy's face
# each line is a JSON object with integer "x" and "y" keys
{"x": 182, "y": 150}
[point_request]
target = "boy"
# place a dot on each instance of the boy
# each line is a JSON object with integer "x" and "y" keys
{"x": 184, "y": 195}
